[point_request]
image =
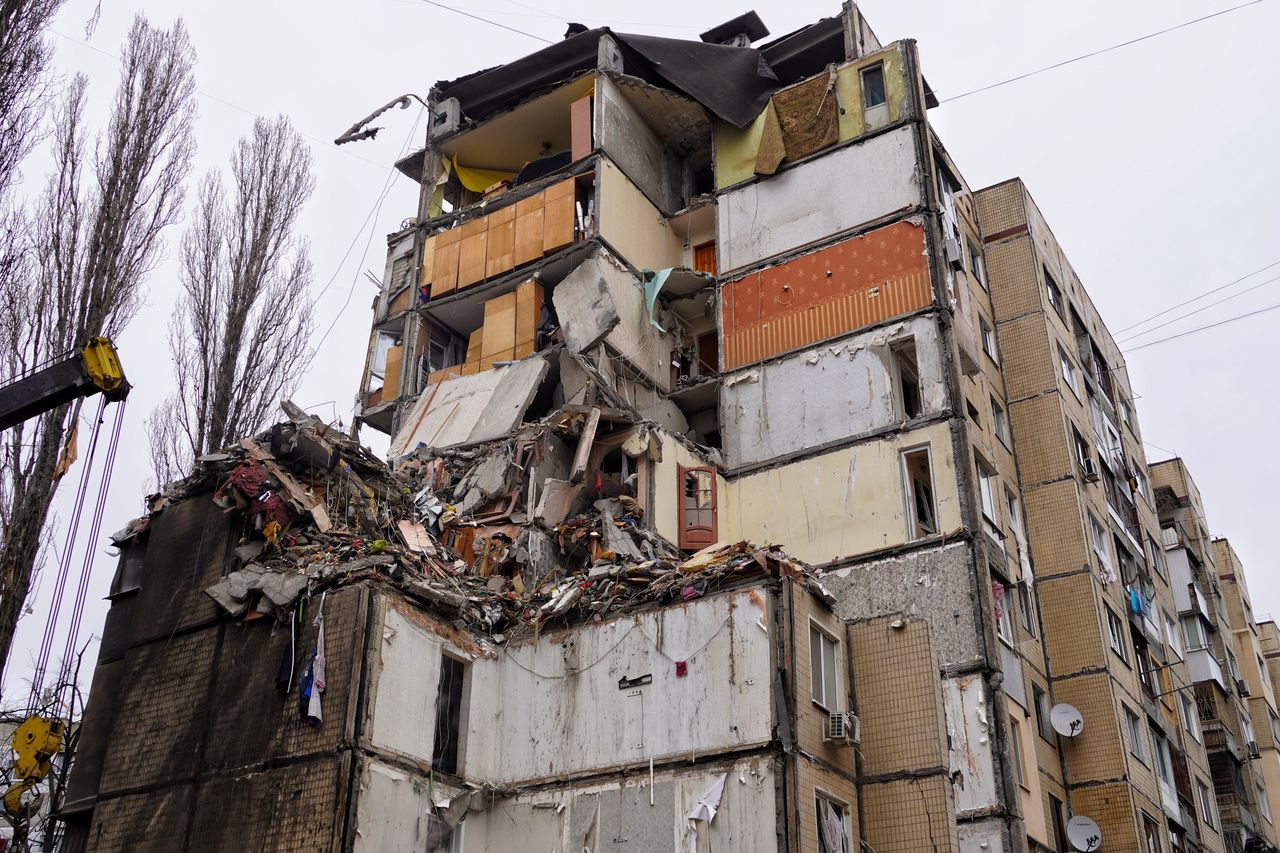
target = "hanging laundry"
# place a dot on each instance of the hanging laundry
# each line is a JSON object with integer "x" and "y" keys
{"x": 313, "y": 714}
{"x": 682, "y": 668}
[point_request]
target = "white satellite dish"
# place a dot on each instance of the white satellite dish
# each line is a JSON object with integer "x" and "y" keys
{"x": 1083, "y": 834}
{"x": 1066, "y": 720}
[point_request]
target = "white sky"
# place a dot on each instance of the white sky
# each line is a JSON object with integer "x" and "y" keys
{"x": 1155, "y": 165}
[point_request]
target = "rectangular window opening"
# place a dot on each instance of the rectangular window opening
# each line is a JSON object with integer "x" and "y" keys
{"x": 1116, "y": 632}
{"x": 988, "y": 339}
{"x": 907, "y": 375}
{"x": 1137, "y": 738}
{"x": 918, "y": 480}
{"x": 987, "y": 489}
{"x": 444, "y": 755}
{"x": 824, "y": 669}
{"x": 873, "y": 89}
{"x": 1000, "y": 422}
{"x": 833, "y": 825}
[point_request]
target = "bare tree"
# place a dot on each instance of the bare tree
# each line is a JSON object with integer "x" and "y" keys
{"x": 97, "y": 228}
{"x": 24, "y": 55}
{"x": 239, "y": 334}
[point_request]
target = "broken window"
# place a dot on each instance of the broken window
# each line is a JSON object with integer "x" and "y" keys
{"x": 698, "y": 526}
{"x": 824, "y": 669}
{"x": 873, "y": 91}
{"x": 988, "y": 338}
{"x": 1015, "y": 749}
{"x": 1084, "y": 455}
{"x": 1115, "y": 631}
{"x": 1000, "y": 422}
{"x": 444, "y": 755}
{"x": 1150, "y": 835}
{"x": 833, "y": 825}
{"x": 987, "y": 489}
{"x": 1206, "y": 803}
{"x": 907, "y": 376}
{"x": 1054, "y": 294}
{"x": 1027, "y": 604}
{"x": 922, "y": 518}
{"x": 1002, "y": 603}
{"x": 976, "y": 266}
{"x": 1068, "y": 372}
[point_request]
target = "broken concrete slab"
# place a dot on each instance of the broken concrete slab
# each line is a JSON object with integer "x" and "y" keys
{"x": 558, "y": 502}
{"x": 585, "y": 308}
{"x": 471, "y": 409}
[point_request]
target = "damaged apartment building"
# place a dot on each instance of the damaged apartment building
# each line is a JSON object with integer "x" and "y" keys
{"x": 753, "y": 484}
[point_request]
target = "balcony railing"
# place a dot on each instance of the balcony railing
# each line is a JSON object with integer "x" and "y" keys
{"x": 1205, "y": 667}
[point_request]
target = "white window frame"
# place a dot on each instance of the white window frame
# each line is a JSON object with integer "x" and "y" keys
{"x": 1164, "y": 758}
{"x": 1137, "y": 735}
{"x": 988, "y": 335}
{"x": 884, "y": 84}
{"x": 1172, "y": 636}
{"x": 1000, "y": 422}
{"x": 1004, "y": 618}
{"x": 1263, "y": 802}
{"x": 1068, "y": 371}
{"x": 987, "y": 490}
{"x": 1026, "y": 604}
{"x": 909, "y": 493}
{"x": 1115, "y": 632}
{"x": 1190, "y": 716}
{"x": 819, "y": 676}
{"x": 842, "y": 808}
{"x": 1101, "y": 541}
{"x": 1206, "y": 804}
{"x": 1201, "y": 638}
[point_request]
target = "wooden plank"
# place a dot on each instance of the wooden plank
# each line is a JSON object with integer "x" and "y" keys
{"x": 471, "y": 255}
{"x": 391, "y": 376}
{"x": 528, "y": 313}
{"x": 444, "y": 273}
{"x": 488, "y": 362}
{"x": 475, "y": 345}
{"x": 580, "y": 144}
{"x": 502, "y": 240}
{"x": 401, "y": 301}
{"x": 529, "y": 218}
{"x": 428, "y": 257}
{"x": 499, "y": 326}
{"x": 558, "y": 217}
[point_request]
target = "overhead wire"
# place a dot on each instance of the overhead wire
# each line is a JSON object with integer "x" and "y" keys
{"x": 1196, "y": 298}
{"x": 1204, "y": 328}
{"x": 474, "y": 17}
{"x": 1100, "y": 51}
{"x": 1192, "y": 313}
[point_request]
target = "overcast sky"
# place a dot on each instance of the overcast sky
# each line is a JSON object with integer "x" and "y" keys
{"x": 1155, "y": 165}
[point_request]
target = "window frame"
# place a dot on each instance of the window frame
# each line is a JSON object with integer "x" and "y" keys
{"x": 1054, "y": 295}
{"x": 818, "y": 668}
{"x": 873, "y": 68}
{"x": 1116, "y": 635}
{"x": 1044, "y": 725}
{"x": 1133, "y": 727}
{"x": 1068, "y": 371}
{"x": 1000, "y": 423}
{"x": 916, "y": 529}
{"x": 1001, "y": 604}
{"x": 1190, "y": 716}
{"x": 977, "y": 264}
{"x": 1205, "y": 803}
{"x": 842, "y": 809}
{"x": 987, "y": 336}
{"x": 1015, "y": 748}
{"x": 987, "y": 490}
{"x": 1026, "y": 604}
{"x": 906, "y": 361}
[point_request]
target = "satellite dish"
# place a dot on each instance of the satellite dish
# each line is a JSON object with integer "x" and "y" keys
{"x": 1083, "y": 834}
{"x": 1066, "y": 720}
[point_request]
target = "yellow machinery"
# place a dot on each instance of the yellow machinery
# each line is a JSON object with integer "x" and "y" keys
{"x": 94, "y": 369}
{"x": 35, "y": 743}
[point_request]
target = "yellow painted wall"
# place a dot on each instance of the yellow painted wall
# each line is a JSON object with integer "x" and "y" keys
{"x": 842, "y": 503}
{"x": 1030, "y": 794}
{"x": 735, "y": 150}
{"x": 666, "y": 474}
{"x": 633, "y": 226}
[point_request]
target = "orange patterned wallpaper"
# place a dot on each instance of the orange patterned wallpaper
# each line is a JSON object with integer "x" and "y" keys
{"x": 855, "y": 283}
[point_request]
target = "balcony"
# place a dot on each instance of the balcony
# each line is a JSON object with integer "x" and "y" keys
{"x": 1204, "y": 667}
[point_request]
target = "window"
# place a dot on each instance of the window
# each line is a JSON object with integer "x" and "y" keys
{"x": 1275, "y": 726}
{"x": 1126, "y": 413}
{"x": 975, "y": 264}
{"x": 1137, "y": 745}
{"x": 1014, "y": 512}
{"x": 1001, "y": 602}
{"x": 1193, "y": 632}
{"x": 698, "y": 523}
{"x": 1262, "y": 672}
{"x": 444, "y": 755}
{"x": 1100, "y": 541}
{"x": 1164, "y": 760}
{"x": 1054, "y": 294}
{"x": 1027, "y": 605}
{"x": 1043, "y": 723}
{"x": 1232, "y": 666}
{"x": 1156, "y": 557}
{"x": 1015, "y": 749}
{"x": 1068, "y": 372}
{"x": 987, "y": 489}
{"x": 1150, "y": 835}
{"x": 1206, "y": 803}
{"x": 907, "y": 377}
{"x": 1190, "y": 716}
{"x": 1171, "y": 635}
{"x": 1084, "y": 455}
{"x": 1262, "y": 801}
{"x": 973, "y": 413}
{"x": 833, "y": 825}
{"x": 988, "y": 338}
{"x": 999, "y": 422}
{"x": 1140, "y": 482}
{"x": 922, "y": 518}
{"x": 1058, "y": 815}
{"x": 873, "y": 91}
{"x": 1115, "y": 628}
{"x": 823, "y": 669}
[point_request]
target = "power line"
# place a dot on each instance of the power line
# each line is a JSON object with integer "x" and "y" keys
{"x": 1198, "y": 310}
{"x": 1096, "y": 52}
{"x": 466, "y": 14}
{"x": 1196, "y": 298}
{"x": 1205, "y": 328}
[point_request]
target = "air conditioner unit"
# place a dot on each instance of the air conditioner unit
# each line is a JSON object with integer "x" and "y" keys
{"x": 1242, "y": 687}
{"x": 955, "y": 257}
{"x": 1253, "y": 750}
{"x": 1090, "y": 469}
{"x": 843, "y": 727}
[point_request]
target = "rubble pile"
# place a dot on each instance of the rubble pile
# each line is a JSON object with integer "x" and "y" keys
{"x": 504, "y": 538}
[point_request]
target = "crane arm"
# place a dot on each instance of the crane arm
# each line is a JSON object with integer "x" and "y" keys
{"x": 94, "y": 369}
